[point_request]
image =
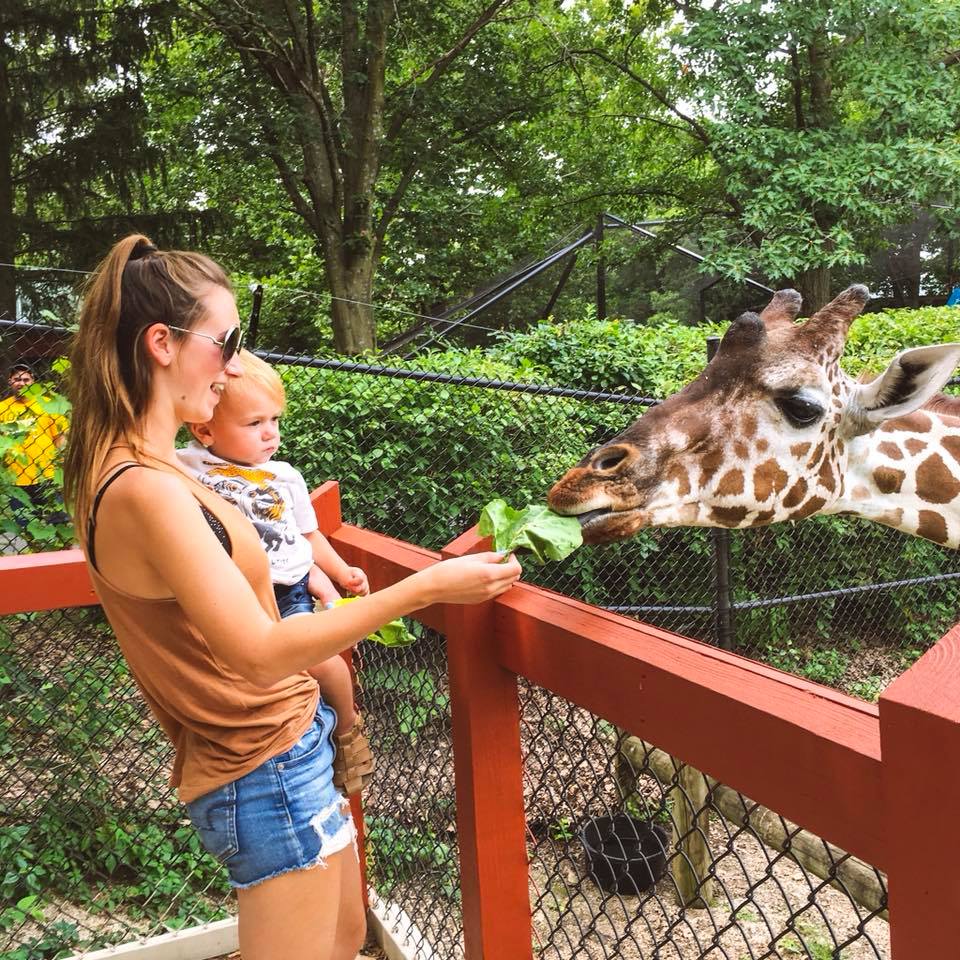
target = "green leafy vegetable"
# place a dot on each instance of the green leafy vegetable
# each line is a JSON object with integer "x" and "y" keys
{"x": 536, "y": 528}
{"x": 393, "y": 634}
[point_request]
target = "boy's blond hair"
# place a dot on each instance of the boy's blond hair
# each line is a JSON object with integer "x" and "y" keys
{"x": 257, "y": 375}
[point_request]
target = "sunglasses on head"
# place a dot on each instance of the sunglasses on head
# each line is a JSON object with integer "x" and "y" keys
{"x": 229, "y": 346}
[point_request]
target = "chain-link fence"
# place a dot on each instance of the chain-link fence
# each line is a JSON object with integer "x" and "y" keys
{"x": 96, "y": 850}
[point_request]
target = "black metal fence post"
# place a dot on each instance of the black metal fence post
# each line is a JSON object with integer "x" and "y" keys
{"x": 723, "y": 599}
{"x": 601, "y": 272}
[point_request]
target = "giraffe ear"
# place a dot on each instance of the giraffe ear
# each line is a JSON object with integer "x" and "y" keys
{"x": 913, "y": 377}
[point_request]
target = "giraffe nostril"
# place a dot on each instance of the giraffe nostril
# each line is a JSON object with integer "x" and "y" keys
{"x": 609, "y": 459}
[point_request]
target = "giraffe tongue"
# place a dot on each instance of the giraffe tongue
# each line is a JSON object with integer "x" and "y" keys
{"x": 590, "y": 515}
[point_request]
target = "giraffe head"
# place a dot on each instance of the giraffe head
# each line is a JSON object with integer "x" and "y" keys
{"x": 762, "y": 435}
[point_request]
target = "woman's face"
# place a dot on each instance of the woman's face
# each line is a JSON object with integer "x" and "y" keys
{"x": 198, "y": 371}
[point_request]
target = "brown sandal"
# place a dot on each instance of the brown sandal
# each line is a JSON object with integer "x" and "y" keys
{"x": 353, "y": 764}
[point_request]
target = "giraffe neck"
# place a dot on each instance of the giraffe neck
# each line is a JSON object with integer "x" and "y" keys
{"x": 906, "y": 475}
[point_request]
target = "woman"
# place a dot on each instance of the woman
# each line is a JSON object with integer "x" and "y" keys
{"x": 186, "y": 586}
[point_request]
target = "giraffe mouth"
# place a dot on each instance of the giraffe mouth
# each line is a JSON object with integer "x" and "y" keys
{"x": 592, "y": 516}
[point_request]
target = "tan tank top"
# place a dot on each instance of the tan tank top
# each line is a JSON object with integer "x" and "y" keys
{"x": 221, "y": 725}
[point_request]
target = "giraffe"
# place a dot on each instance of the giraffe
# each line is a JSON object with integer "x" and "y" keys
{"x": 773, "y": 430}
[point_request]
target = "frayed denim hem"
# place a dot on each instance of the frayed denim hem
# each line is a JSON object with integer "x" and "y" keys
{"x": 330, "y": 844}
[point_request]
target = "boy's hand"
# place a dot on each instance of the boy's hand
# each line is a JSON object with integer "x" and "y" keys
{"x": 355, "y": 582}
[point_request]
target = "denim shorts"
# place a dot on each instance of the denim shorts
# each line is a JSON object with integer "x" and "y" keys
{"x": 284, "y": 815}
{"x": 294, "y": 598}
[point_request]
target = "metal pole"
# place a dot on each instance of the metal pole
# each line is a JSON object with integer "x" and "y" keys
{"x": 601, "y": 272}
{"x": 723, "y": 598}
{"x": 254, "y": 323}
{"x": 560, "y": 284}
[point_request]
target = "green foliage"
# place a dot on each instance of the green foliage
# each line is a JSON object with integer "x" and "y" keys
{"x": 417, "y": 701}
{"x": 400, "y": 853}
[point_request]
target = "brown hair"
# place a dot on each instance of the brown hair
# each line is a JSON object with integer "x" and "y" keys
{"x": 134, "y": 287}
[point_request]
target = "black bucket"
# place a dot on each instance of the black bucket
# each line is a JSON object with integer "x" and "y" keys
{"x": 625, "y": 855}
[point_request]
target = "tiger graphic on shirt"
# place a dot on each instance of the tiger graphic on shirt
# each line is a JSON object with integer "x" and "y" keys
{"x": 250, "y": 490}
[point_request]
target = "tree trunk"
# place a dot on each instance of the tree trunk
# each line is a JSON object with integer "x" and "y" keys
{"x": 8, "y": 228}
{"x": 814, "y": 287}
{"x": 354, "y": 329}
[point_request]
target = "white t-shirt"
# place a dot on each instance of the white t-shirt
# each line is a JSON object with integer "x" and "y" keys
{"x": 273, "y": 496}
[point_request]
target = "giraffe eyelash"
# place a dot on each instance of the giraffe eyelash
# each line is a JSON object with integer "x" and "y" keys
{"x": 800, "y": 412}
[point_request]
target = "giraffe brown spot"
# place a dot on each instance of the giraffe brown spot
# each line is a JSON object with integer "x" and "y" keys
{"x": 952, "y": 446}
{"x": 741, "y": 450}
{"x": 762, "y": 518}
{"x": 796, "y": 494}
{"x": 728, "y": 516}
{"x": 935, "y": 482}
{"x": 890, "y": 449}
{"x": 915, "y": 446}
{"x": 678, "y": 474}
{"x": 932, "y": 526}
{"x": 888, "y": 480}
{"x": 731, "y": 483}
{"x": 799, "y": 449}
{"x": 748, "y": 426}
{"x": 767, "y": 478}
{"x": 836, "y": 389}
{"x": 762, "y": 445}
{"x": 860, "y": 492}
{"x": 808, "y": 509}
{"x": 915, "y": 422}
{"x": 709, "y": 465}
{"x": 826, "y": 476}
{"x": 841, "y": 446}
{"x": 816, "y": 456}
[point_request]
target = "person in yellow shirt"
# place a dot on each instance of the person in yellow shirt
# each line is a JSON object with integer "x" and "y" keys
{"x": 32, "y": 433}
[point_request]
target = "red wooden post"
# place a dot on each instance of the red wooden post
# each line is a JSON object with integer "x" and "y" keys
{"x": 491, "y": 824}
{"x": 920, "y": 743}
{"x": 326, "y": 507}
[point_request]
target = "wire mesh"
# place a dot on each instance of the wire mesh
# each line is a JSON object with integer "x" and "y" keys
{"x": 634, "y": 855}
{"x": 94, "y": 845}
{"x": 410, "y": 808}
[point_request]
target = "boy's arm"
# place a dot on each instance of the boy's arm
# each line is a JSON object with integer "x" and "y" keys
{"x": 334, "y": 566}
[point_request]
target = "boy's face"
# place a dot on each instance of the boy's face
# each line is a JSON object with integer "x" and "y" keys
{"x": 246, "y": 431}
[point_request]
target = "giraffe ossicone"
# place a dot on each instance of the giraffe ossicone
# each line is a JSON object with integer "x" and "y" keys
{"x": 774, "y": 430}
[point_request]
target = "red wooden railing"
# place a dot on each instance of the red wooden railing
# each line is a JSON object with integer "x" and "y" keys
{"x": 880, "y": 781}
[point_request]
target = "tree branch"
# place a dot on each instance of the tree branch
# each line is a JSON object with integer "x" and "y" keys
{"x": 698, "y": 131}
{"x": 439, "y": 66}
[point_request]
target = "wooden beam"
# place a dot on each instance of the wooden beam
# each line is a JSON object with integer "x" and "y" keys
{"x": 45, "y": 581}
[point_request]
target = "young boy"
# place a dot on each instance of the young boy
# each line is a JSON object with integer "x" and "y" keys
{"x": 231, "y": 455}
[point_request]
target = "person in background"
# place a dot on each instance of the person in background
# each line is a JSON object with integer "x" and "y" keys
{"x": 184, "y": 581}
{"x": 232, "y": 455}
{"x": 36, "y": 433}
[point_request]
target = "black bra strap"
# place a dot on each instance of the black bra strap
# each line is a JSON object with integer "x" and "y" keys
{"x": 92, "y": 522}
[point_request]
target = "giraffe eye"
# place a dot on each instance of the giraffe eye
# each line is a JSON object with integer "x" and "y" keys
{"x": 800, "y": 412}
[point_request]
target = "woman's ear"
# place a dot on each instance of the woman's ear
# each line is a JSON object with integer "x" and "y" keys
{"x": 159, "y": 343}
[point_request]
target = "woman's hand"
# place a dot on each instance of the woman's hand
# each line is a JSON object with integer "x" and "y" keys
{"x": 470, "y": 579}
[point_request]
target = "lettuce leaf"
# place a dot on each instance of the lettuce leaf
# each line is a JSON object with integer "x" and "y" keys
{"x": 393, "y": 634}
{"x": 536, "y": 528}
